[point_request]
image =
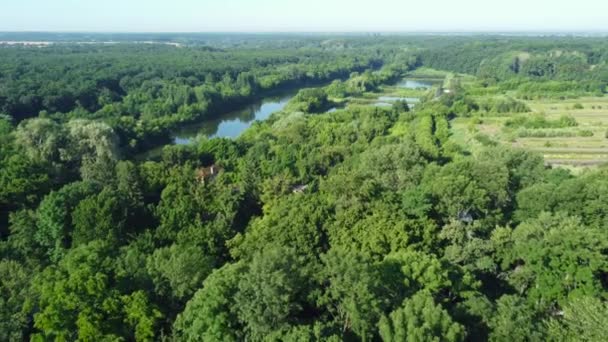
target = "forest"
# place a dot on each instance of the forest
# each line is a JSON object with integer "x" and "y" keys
{"x": 409, "y": 222}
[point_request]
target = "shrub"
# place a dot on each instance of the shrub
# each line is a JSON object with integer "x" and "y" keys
{"x": 539, "y": 121}
{"x": 532, "y": 133}
{"x": 485, "y": 140}
{"x": 566, "y": 121}
{"x": 503, "y": 105}
{"x": 476, "y": 120}
{"x": 536, "y": 133}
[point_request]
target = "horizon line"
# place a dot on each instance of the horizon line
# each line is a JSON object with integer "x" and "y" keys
{"x": 312, "y": 32}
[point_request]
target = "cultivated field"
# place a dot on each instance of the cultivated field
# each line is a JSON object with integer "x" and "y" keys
{"x": 581, "y": 146}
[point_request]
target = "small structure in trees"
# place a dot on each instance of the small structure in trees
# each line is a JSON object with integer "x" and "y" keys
{"x": 465, "y": 216}
{"x": 206, "y": 174}
{"x": 299, "y": 189}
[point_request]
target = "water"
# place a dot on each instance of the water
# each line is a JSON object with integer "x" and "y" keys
{"x": 417, "y": 83}
{"x": 423, "y": 84}
{"x": 232, "y": 124}
{"x": 332, "y": 110}
{"x": 389, "y": 99}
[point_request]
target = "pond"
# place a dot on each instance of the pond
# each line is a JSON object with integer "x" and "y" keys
{"x": 409, "y": 100}
{"x": 417, "y": 83}
{"x": 420, "y": 84}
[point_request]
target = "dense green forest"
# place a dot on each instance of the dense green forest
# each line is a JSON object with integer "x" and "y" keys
{"x": 362, "y": 224}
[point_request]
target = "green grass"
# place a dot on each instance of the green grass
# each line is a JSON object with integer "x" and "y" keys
{"x": 425, "y": 72}
{"x": 571, "y": 152}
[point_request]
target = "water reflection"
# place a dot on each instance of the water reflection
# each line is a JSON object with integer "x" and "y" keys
{"x": 397, "y": 98}
{"x": 417, "y": 83}
{"x": 232, "y": 124}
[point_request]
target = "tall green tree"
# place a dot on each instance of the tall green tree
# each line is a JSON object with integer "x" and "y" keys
{"x": 420, "y": 319}
{"x": 212, "y": 314}
{"x": 273, "y": 293}
{"x": 354, "y": 292}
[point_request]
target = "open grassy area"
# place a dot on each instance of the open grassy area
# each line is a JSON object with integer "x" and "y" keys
{"x": 566, "y": 148}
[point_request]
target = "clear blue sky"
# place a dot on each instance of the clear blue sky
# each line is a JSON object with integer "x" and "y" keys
{"x": 303, "y": 15}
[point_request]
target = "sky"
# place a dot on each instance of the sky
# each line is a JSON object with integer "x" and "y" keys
{"x": 303, "y": 15}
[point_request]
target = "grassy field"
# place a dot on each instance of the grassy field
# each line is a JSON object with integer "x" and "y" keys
{"x": 582, "y": 146}
{"x": 575, "y": 151}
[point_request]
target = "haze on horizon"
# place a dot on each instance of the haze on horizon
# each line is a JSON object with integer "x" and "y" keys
{"x": 302, "y": 16}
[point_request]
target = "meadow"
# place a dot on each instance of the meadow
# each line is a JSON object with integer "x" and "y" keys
{"x": 576, "y": 147}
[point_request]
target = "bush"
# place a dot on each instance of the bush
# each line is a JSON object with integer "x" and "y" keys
{"x": 476, "y": 120}
{"x": 309, "y": 100}
{"x": 534, "y": 133}
{"x": 485, "y": 140}
{"x": 539, "y": 121}
{"x": 578, "y": 106}
{"x": 503, "y": 105}
{"x": 585, "y": 133}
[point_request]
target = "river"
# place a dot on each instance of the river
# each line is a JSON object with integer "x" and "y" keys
{"x": 232, "y": 124}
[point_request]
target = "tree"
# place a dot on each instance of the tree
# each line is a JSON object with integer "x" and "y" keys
{"x": 100, "y": 216}
{"x": 469, "y": 188}
{"x": 94, "y": 145}
{"x": 514, "y": 320}
{"x": 582, "y": 319}
{"x": 22, "y": 182}
{"x": 311, "y": 100}
{"x": 42, "y": 139}
{"x": 401, "y": 106}
{"x": 355, "y": 294}
{"x": 129, "y": 183}
{"x": 424, "y": 136}
{"x": 54, "y": 218}
{"x": 22, "y": 242}
{"x": 294, "y": 222}
{"x": 272, "y": 293}
{"x": 76, "y": 299}
{"x": 553, "y": 258}
{"x": 178, "y": 271}
{"x": 180, "y": 205}
{"x": 211, "y": 314}
{"x": 420, "y": 319}
{"x": 413, "y": 271}
{"x": 141, "y": 316}
{"x": 15, "y": 301}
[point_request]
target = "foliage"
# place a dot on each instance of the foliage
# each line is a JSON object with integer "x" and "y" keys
{"x": 272, "y": 292}
{"x": 420, "y": 319}
{"x": 362, "y": 224}
{"x": 539, "y": 121}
